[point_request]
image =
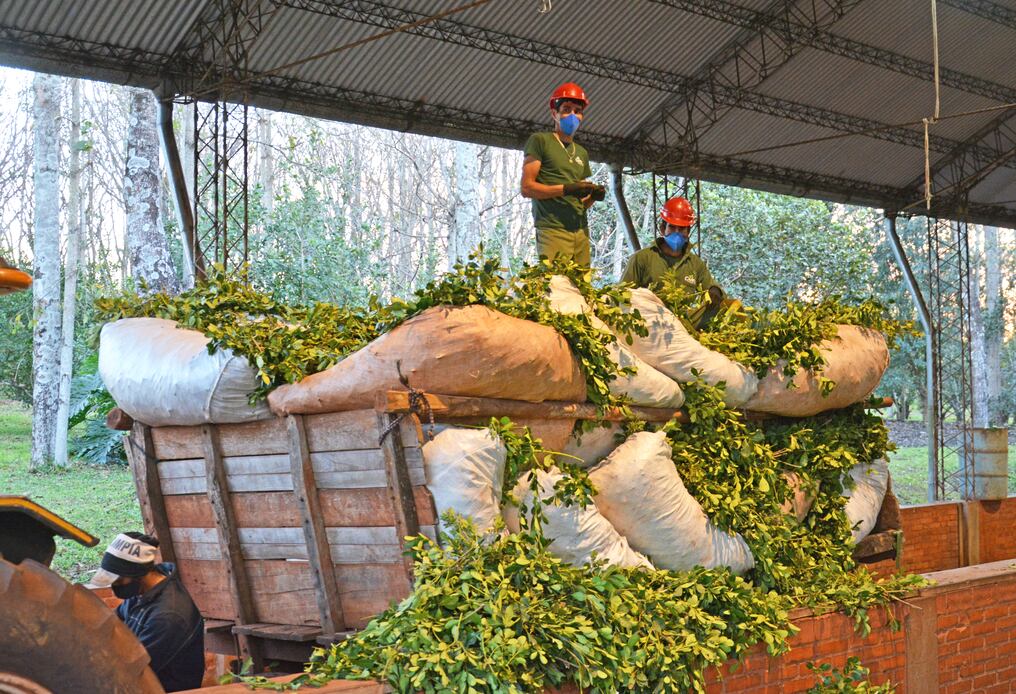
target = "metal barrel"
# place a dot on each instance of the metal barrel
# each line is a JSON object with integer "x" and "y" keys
{"x": 990, "y": 475}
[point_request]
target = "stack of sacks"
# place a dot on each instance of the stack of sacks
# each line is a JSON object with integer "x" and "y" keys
{"x": 669, "y": 348}
{"x": 865, "y": 489}
{"x": 647, "y": 386}
{"x": 855, "y": 359}
{"x": 465, "y": 472}
{"x": 470, "y": 351}
{"x": 641, "y": 493}
{"x": 162, "y": 375}
{"x": 577, "y": 534}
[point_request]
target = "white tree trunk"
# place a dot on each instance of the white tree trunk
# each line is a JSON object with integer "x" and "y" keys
{"x": 266, "y": 162}
{"x": 994, "y": 323}
{"x": 465, "y": 210}
{"x": 147, "y": 250}
{"x": 46, "y": 287}
{"x": 70, "y": 279}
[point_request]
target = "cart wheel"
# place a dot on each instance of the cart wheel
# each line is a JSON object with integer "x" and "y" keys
{"x": 58, "y": 637}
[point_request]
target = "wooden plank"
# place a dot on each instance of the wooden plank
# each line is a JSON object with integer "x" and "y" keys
{"x": 214, "y": 625}
{"x": 400, "y": 486}
{"x": 332, "y": 469}
{"x": 335, "y": 431}
{"x": 339, "y": 508}
{"x": 343, "y": 431}
{"x": 218, "y": 495}
{"x": 347, "y": 545}
{"x": 139, "y": 447}
{"x": 284, "y": 590}
{"x": 397, "y": 402}
{"x": 282, "y": 632}
{"x": 316, "y": 539}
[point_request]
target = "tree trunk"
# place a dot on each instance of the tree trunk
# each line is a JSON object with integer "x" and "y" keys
{"x": 994, "y": 324}
{"x": 46, "y": 287}
{"x": 70, "y": 278}
{"x": 147, "y": 249}
{"x": 266, "y": 162}
{"x": 465, "y": 213}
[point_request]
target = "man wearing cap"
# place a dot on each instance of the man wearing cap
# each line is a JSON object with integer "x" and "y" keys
{"x": 157, "y": 608}
{"x": 553, "y": 177}
{"x": 671, "y": 256}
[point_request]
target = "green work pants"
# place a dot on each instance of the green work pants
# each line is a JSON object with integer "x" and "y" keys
{"x": 574, "y": 245}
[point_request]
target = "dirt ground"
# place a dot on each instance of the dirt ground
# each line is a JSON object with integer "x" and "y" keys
{"x": 907, "y": 434}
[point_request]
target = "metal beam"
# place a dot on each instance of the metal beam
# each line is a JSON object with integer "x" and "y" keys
{"x": 721, "y": 92}
{"x": 795, "y": 31}
{"x": 986, "y": 9}
{"x": 743, "y": 64}
{"x": 177, "y": 181}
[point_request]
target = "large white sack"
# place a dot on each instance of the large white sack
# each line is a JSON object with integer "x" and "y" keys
{"x": 647, "y": 387}
{"x": 577, "y": 533}
{"x": 864, "y": 501}
{"x": 162, "y": 375}
{"x": 855, "y": 358}
{"x": 590, "y": 447}
{"x": 641, "y": 493}
{"x": 671, "y": 350}
{"x": 465, "y": 472}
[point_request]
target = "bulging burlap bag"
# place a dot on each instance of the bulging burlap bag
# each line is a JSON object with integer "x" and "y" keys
{"x": 856, "y": 359}
{"x": 470, "y": 350}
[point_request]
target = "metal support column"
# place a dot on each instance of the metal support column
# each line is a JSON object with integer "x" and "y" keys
{"x": 617, "y": 188}
{"x": 931, "y": 421}
{"x": 181, "y": 199}
{"x": 949, "y": 301}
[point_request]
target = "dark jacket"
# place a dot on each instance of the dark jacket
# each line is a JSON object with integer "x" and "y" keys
{"x": 169, "y": 626}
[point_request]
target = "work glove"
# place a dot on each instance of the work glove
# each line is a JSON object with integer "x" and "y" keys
{"x": 581, "y": 188}
{"x": 599, "y": 193}
{"x": 715, "y": 295}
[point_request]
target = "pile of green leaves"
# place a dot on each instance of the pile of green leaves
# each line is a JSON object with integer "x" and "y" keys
{"x": 734, "y": 469}
{"x": 505, "y": 615}
{"x": 287, "y": 343}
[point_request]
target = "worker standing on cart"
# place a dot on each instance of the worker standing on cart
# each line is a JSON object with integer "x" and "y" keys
{"x": 671, "y": 256}
{"x": 157, "y": 608}
{"x": 554, "y": 175}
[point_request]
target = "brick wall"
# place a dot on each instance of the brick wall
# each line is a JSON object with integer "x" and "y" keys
{"x": 931, "y": 536}
{"x": 997, "y": 529}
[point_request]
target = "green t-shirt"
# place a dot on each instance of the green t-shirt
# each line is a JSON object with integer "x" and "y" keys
{"x": 558, "y": 165}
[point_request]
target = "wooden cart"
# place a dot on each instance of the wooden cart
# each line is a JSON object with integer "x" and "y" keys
{"x": 288, "y": 532}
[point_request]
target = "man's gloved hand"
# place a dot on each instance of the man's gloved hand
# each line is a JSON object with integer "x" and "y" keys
{"x": 581, "y": 188}
{"x": 599, "y": 194}
{"x": 715, "y": 295}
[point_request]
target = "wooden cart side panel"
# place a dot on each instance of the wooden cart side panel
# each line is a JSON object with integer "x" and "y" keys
{"x": 339, "y": 508}
{"x": 335, "y": 431}
{"x": 284, "y": 591}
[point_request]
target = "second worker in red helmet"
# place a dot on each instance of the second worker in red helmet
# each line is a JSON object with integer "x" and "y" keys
{"x": 554, "y": 175}
{"x": 671, "y": 262}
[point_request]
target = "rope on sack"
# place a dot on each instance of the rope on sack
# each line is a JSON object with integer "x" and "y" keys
{"x": 418, "y": 405}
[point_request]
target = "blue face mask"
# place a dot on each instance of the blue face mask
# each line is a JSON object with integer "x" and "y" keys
{"x": 676, "y": 241}
{"x": 569, "y": 124}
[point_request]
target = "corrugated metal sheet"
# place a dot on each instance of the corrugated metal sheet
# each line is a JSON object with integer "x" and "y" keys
{"x": 477, "y": 85}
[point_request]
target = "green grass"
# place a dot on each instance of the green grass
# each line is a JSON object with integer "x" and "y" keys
{"x": 100, "y": 500}
{"x": 909, "y": 469}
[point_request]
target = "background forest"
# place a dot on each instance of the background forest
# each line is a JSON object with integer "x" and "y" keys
{"x": 340, "y": 212}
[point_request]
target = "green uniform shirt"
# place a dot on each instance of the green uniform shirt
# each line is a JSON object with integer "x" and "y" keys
{"x": 558, "y": 165}
{"x": 647, "y": 267}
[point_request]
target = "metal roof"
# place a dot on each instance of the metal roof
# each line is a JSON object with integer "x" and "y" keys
{"x": 691, "y": 87}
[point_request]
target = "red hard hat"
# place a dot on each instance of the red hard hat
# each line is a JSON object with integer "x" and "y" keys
{"x": 678, "y": 211}
{"x": 569, "y": 90}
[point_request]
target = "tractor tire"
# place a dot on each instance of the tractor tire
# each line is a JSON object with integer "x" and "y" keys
{"x": 61, "y": 637}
